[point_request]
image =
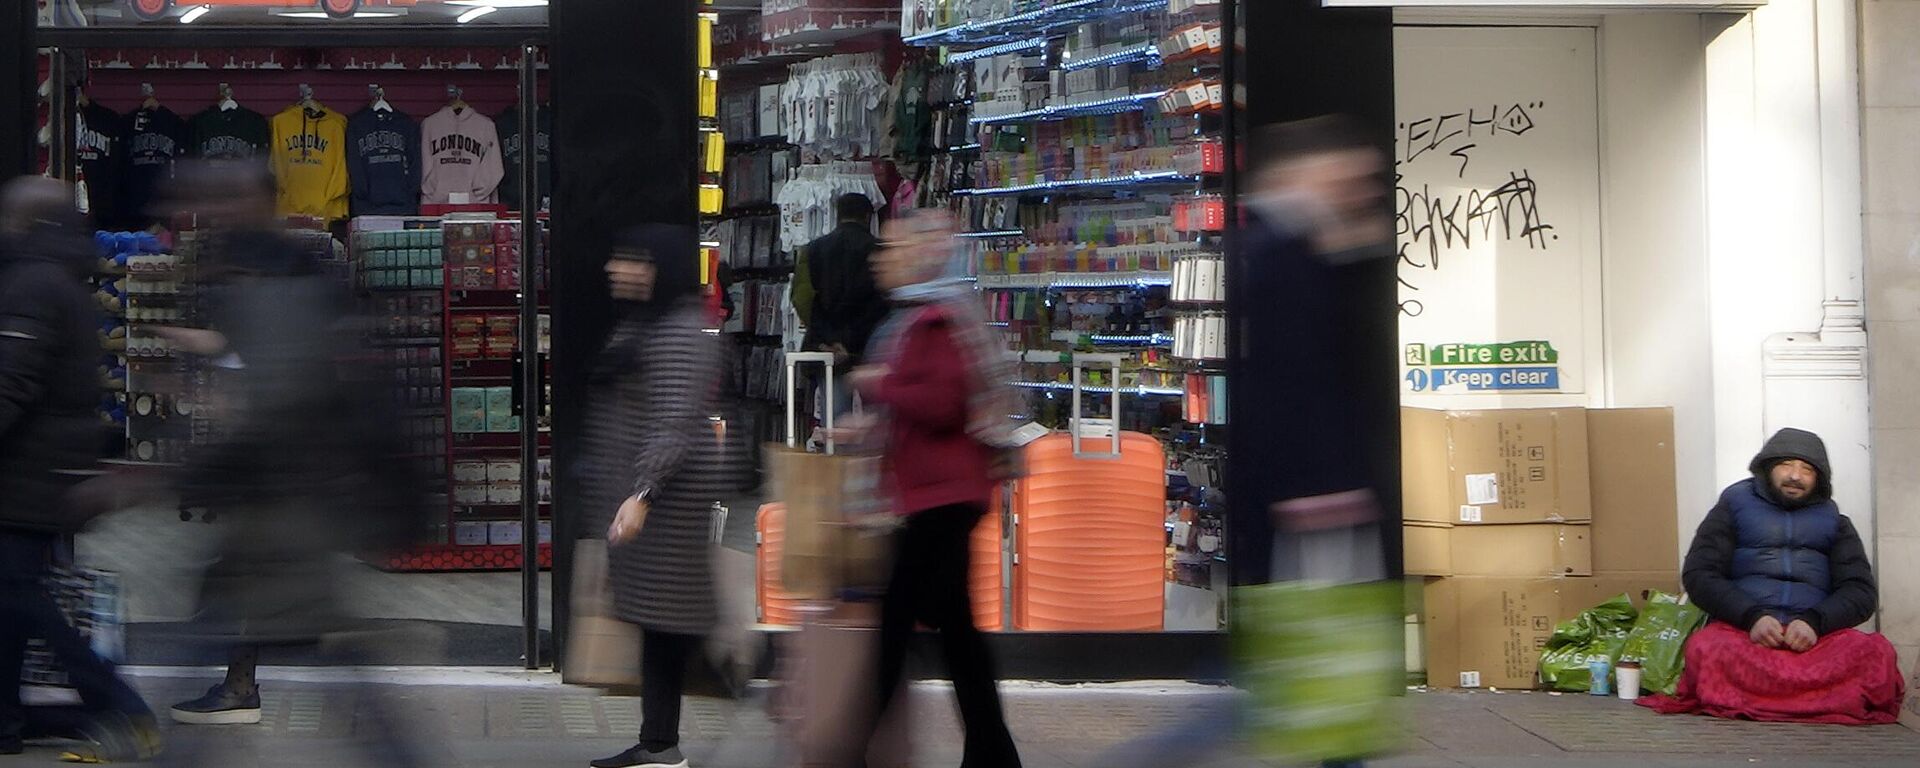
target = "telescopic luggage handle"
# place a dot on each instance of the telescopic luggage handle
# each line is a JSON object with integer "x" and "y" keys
{"x": 795, "y": 360}
{"x": 1082, "y": 361}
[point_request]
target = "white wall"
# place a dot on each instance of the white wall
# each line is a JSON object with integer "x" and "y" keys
{"x": 1659, "y": 345}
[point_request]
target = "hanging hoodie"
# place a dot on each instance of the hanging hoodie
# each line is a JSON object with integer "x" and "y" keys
{"x": 309, "y": 160}
{"x": 461, "y": 152}
{"x": 237, "y": 135}
{"x": 155, "y": 138}
{"x": 383, "y": 163}
{"x": 511, "y": 150}
{"x": 100, "y": 143}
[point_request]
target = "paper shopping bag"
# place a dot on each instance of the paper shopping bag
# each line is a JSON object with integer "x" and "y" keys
{"x": 602, "y": 651}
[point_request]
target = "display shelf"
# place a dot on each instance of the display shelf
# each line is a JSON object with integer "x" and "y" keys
{"x": 1040, "y": 22}
{"x": 1017, "y": 46}
{"x": 1147, "y": 52}
{"x": 1132, "y": 102}
{"x": 1071, "y": 280}
{"x": 457, "y": 557}
{"x": 1112, "y": 183}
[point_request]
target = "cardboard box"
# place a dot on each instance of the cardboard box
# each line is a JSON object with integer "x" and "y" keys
{"x": 470, "y": 471}
{"x": 504, "y": 532}
{"x": 1488, "y": 632}
{"x": 1496, "y": 466}
{"x": 1636, "y": 517}
{"x": 503, "y": 471}
{"x": 1587, "y": 593}
{"x": 469, "y": 533}
{"x": 1427, "y": 549}
{"x": 470, "y": 493}
{"x": 1523, "y": 551}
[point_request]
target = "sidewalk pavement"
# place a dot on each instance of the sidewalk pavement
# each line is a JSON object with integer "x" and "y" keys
{"x": 510, "y": 719}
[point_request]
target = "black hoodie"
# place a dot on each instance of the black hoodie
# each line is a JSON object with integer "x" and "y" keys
{"x": 1852, "y": 595}
{"x": 49, "y": 385}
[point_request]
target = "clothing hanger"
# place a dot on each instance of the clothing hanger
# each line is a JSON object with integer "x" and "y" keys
{"x": 454, "y": 99}
{"x": 379, "y": 97}
{"x": 227, "y": 104}
{"x": 306, "y": 100}
{"x": 151, "y": 102}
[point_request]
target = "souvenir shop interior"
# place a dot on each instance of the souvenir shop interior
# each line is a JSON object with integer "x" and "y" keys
{"x": 1080, "y": 145}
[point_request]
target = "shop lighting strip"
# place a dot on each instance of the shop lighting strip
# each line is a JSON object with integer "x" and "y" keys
{"x": 1143, "y": 340}
{"x": 1132, "y": 102}
{"x": 1017, "y": 46}
{"x": 1055, "y": 386}
{"x": 1040, "y": 22}
{"x": 1155, "y": 178}
{"x": 1053, "y": 280}
{"x": 1147, "y": 52}
{"x": 992, "y": 234}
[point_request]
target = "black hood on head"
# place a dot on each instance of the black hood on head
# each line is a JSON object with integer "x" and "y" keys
{"x": 1799, "y": 444}
{"x": 675, "y": 253}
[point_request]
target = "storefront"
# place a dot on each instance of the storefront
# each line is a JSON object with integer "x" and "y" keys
{"x": 1086, "y": 145}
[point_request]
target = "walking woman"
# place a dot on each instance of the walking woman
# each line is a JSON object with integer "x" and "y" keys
{"x": 939, "y": 379}
{"x": 654, "y": 470}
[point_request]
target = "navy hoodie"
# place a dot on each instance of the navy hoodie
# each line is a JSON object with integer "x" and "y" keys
{"x": 383, "y": 163}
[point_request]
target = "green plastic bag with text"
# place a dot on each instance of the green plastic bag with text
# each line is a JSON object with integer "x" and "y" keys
{"x": 1658, "y": 641}
{"x": 1597, "y": 633}
{"x": 1323, "y": 668}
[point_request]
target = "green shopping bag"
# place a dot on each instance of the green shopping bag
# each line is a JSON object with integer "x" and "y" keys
{"x": 1597, "y": 633}
{"x": 1658, "y": 640}
{"x": 1322, "y": 667}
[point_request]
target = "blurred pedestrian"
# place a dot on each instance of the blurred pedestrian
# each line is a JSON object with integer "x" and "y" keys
{"x": 50, "y": 437}
{"x": 301, "y": 470}
{"x": 653, "y": 469}
{"x": 939, "y": 382}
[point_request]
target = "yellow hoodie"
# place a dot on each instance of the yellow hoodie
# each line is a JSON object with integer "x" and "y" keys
{"x": 309, "y": 161}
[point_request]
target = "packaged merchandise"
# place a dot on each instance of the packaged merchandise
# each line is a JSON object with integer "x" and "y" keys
{"x": 470, "y": 533}
{"x": 500, "y": 407}
{"x": 504, "y": 532}
{"x": 470, "y": 409}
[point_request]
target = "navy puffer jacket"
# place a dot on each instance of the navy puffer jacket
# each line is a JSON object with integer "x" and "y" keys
{"x": 1758, "y": 554}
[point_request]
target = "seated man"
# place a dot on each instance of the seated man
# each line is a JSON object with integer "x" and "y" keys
{"x": 1785, "y": 578}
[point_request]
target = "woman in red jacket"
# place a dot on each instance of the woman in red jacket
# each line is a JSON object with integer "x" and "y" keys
{"x": 938, "y": 382}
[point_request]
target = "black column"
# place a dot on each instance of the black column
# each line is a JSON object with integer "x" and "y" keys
{"x": 625, "y": 103}
{"x": 1303, "y": 60}
{"x": 18, "y": 99}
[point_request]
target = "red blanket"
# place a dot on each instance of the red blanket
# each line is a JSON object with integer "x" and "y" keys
{"x": 1849, "y": 677}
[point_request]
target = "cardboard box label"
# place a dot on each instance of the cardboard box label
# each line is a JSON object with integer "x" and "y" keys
{"x": 1470, "y": 513}
{"x": 1483, "y": 489}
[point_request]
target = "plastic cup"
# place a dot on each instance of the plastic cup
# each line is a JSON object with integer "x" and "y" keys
{"x": 1598, "y": 675}
{"x": 1628, "y": 681}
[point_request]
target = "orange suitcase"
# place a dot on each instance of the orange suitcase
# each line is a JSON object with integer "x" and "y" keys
{"x": 1090, "y": 536}
{"x": 776, "y": 607}
{"x": 987, "y": 576}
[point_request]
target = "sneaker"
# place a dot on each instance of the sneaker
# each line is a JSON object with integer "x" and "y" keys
{"x": 639, "y": 757}
{"x": 220, "y": 707}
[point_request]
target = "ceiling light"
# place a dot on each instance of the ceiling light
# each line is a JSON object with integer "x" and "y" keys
{"x": 476, "y": 12}
{"x": 193, "y": 14}
{"x": 501, "y": 3}
{"x": 325, "y": 15}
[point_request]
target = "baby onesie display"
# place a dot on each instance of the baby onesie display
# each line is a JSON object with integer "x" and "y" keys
{"x": 835, "y": 107}
{"x": 237, "y": 135}
{"x": 806, "y": 200}
{"x": 100, "y": 146}
{"x": 309, "y": 160}
{"x": 155, "y": 138}
{"x": 461, "y": 152}
{"x": 383, "y": 163}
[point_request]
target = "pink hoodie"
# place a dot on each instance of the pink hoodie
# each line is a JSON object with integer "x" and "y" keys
{"x": 461, "y": 152}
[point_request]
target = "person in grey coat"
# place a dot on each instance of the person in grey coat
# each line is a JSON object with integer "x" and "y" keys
{"x": 654, "y": 467}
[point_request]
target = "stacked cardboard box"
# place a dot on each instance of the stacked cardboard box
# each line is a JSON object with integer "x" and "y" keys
{"x": 1520, "y": 519}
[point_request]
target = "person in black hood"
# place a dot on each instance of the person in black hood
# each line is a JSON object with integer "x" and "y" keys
{"x": 653, "y": 467}
{"x": 1784, "y": 578}
{"x": 1776, "y": 558}
{"x": 50, "y": 438}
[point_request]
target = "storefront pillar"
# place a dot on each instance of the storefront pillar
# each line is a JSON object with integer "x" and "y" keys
{"x": 623, "y": 80}
{"x": 17, "y": 83}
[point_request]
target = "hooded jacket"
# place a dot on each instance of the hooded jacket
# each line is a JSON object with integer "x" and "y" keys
{"x": 1757, "y": 554}
{"x": 49, "y": 385}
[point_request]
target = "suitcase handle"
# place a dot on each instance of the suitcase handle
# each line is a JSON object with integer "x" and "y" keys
{"x": 1081, "y": 361}
{"x": 794, "y": 361}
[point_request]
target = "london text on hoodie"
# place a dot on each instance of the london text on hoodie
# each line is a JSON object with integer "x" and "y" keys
{"x": 237, "y": 135}
{"x": 100, "y": 146}
{"x": 383, "y": 162}
{"x": 309, "y": 160}
{"x": 155, "y": 137}
{"x": 461, "y": 151}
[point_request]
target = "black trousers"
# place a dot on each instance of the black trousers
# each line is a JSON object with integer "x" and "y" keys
{"x": 931, "y": 566}
{"x": 664, "y": 658}
{"x": 27, "y": 610}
